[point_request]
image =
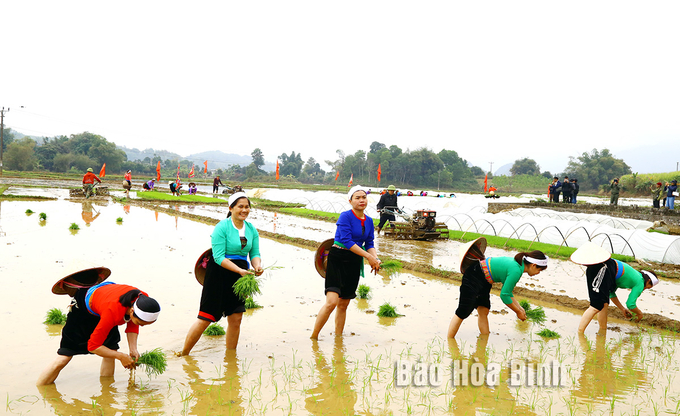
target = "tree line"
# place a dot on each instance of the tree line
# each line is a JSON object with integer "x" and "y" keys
{"x": 415, "y": 168}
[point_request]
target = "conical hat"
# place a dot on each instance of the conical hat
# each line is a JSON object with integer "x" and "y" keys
{"x": 80, "y": 274}
{"x": 321, "y": 256}
{"x": 202, "y": 265}
{"x": 471, "y": 252}
{"x": 589, "y": 254}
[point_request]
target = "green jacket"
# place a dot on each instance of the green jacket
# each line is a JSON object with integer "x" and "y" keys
{"x": 657, "y": 193}
{"x": 615, "y": 188}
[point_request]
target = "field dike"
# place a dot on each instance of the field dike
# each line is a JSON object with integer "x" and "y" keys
{"x": 577, "y": 305}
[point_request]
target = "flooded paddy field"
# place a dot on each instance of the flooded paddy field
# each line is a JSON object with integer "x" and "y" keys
{"x": 277, "y": 369}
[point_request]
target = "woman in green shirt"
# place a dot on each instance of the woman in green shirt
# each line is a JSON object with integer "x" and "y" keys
{"x": 478, "y": 278}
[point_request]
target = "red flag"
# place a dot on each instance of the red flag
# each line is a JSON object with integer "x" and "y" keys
{"x": 485, "y": 179}
{"x": 337, "y": 174}
{"x": 277, "y": 169}
{"x": 351, "y": 179}
{"x": 102, "y": 172}
{"x": 379, "y": 172}
{"x": 158, "y": 171}
{"x": 177, "y": 171}
{"x": 206, "y": 167}
{"x": 191, "y": 172}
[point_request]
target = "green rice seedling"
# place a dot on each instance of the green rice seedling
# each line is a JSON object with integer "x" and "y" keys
{"x": 74, "y": 226}
{"x": 363, "y": 291}
{"x": 55, "y": 317}
{"x": 387, "y": 311}
{"x": 119, "y": 219}
{"x": 536, "y": 315}
{"x": 546, "y": 333}
{"x": 251, "y": 304}
{"x": 391, "y": 266}
{"x": 29, "y": 212}
{"x": 154, "y": 362}
{"x": 214, "y": 329}
{"x": 43, "y": 216}
{"x": 247, "y": 286}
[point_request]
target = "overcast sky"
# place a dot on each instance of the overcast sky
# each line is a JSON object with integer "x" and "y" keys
{"x": 493, "y": 80}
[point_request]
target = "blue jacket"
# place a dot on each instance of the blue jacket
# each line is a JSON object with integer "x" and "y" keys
{"x": 671, "y": 189}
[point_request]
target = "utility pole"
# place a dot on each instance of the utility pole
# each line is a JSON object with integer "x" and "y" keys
{"x": 491, "y": 168}
{"x": 2, "y": 133}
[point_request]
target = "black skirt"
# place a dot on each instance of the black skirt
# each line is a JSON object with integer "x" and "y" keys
{"x": 218, "y": 298}
{"x": 474, "y": 291}
{"x": 80, "y": 325}
{"x": 343, "y": 272}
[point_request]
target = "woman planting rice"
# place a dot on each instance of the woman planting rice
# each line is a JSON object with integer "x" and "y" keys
{"x": 92, "y": 324}
{"x": 604, "y": 275}
{"x": 480, "y": 273}
{"x": 233, "y": 240}
{"x": 353, "y": 242}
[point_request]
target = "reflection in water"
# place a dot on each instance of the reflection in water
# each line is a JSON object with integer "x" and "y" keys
{"x": 87, "y": 213}
{"x": 494, "y": 400}
{"x": 600, "y": 379}
{"x": 219, "y": 395}
{"x": 333, "y": 393}
{"x": 98, "y": 404}
{"x": 126, "y": 209}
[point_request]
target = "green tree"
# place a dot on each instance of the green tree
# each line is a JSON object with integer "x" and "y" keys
{"x": 290, "y": 165}
{"x": 7, "y": 138}
{"x": 596, "y": 168}
{"x": 525, "y": 166}
{"x": 20, "y": 155}
{"x": 376, "y": 147}
{"x": 258, "y": 158}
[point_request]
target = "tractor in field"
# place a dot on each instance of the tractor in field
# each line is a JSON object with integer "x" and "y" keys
{"x": 421, "y": 225}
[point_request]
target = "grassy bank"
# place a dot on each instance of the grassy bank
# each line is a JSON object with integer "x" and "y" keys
{"x": 161, "y": 196}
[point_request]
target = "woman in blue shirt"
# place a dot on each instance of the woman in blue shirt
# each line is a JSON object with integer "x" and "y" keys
{"x": 233, "y": 241}
{"x": 353, "y": 242}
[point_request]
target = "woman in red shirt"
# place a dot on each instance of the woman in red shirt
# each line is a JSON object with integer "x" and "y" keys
{"x": 92, "y": 327}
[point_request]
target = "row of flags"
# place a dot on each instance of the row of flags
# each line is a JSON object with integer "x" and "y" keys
{"x": 337, "y": 174}
{"x": 102, "y": 171}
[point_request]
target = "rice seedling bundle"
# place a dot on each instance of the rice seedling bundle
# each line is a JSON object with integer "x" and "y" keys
{"x": 391, "y": 266}
{"x": 55, "y": 317}
{"x": 154, "y": 362}
{"x": 387, "y": 311}
{"x": 536, "y": 315}
{"x": 546, "y": 333}
{"x": 247, "y": 286}
{"x": 43, "y": 216}
{"x": 29, "y": 212}
{"x": 363, "y": 291}
{"x": 251, "y": 304}
{"x": 214, "y": 329}
{"x": 119, "y": 219}
{"x": 74, "y": 226}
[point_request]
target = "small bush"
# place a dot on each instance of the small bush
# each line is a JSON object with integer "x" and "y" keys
{"x": 387, "y": 311}
{"x": 74, "y": 226}
{"x": 214, "y": 329}
{"x": 363, "y": 291}
{"x": 55, "y": 317}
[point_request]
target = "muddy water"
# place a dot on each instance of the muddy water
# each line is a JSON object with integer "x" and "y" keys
{"x": 276, "y": 368}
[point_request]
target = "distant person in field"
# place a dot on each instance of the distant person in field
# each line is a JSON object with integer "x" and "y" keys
{"x": 192, "y": 188}
{"x": 387, "y": 201}
{"x": 657, "y": 194}
{"x": 88, "y": 182}
{"x": 555, "y": 189}
{"x": 574, "y": 191}
{"x": 148, "y": 186}
{"x": 672, "y": 192}
{"x": 567, "y": 188}
{"x": 216, "y": 184}
{"x": 614, "y": 186}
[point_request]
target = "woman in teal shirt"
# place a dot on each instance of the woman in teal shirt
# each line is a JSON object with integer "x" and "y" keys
{"x": 478, "y": 278}
{"x": 233, "y": 241}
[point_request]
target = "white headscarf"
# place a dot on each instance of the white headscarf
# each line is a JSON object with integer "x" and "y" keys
{"x": 353, "y": 190}
{"x": 236, "y": 196}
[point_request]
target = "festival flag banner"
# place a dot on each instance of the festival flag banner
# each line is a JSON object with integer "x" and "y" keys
{"x": 191, "y": 172}
{"x": 102, "y": 172}
{"x": 205, "y": 170}
{"x": 351, "y": 180}
{"x": 485, "y": 181}
{"x": 379, "y": 172}
{"x": 277, "y": 169}
{"x": 158, "y": 171}
{"x": 177, "y": 171}
{"x": 337, "y": 174}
